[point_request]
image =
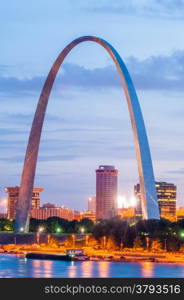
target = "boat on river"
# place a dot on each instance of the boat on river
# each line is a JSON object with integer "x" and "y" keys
{"x": 70, "y": 255}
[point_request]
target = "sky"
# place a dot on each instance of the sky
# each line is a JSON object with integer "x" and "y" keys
{"x": 87, "y": 122}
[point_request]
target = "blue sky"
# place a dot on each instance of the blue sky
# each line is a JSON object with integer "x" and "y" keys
{"x": 87, "y": 122}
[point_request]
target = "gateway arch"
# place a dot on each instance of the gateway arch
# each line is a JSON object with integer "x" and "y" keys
{"x": 149, "y": 201}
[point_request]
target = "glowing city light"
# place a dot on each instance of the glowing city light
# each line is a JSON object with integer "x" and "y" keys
{"x": 41, "y": 229}
{"x": 124, "y": 202}
{"x": 58, "y": 230}
{"x": 3, "y": 204}
{"x": 133, "y": 201}
{"x": 82, "y": 230}
{"x": 182, "y": 234}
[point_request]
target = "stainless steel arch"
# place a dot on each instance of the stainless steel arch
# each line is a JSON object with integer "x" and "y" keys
{"x": 145, "y": 169}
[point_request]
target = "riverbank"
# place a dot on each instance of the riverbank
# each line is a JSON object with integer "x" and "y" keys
{"x": 126, "y": 255}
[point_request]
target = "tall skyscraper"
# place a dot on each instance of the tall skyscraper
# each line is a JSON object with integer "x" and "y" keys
{"x": 106, "y": 192}
{"x": 166, "y": 194}
{"x": 92, "y": 204}
{"x": 13, "y": 194}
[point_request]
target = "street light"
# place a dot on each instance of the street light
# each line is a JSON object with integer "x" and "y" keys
{"x": 104, "y": 241}
{"x": 73, "y": 238}
{"x": 87, "y": 239}
{"x": 182, "y": 234}
{"x": 58, "y": 229}
{"x": 82, "y": 230}
{"x": 40, "y": 230}
{"x": 48, "y": 239}
{"x": 121, "y": 244}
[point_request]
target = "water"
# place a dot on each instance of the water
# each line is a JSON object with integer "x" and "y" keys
{"x": 12, "y": 266}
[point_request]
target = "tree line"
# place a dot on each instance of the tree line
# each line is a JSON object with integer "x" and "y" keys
{"x": 122, "y": 234}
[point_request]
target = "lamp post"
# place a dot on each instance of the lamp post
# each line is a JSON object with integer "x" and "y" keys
{"x": 59, "y": 229}
{"x": 48, "y": 239}
{"x": 104, "y": 241}
{"x": 40, "y": 230}
{"x": 82, "y": 230}
{"x": 182, "y": 234}
{"x": 121, "y": 244}
{"x": 73, "y": 240}
{"x": 147, "y": 241}
{"x": 87, "y": 239}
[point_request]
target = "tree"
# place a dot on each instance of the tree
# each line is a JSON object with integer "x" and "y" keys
{"x": 52, "y": 224}
{"x": 6, "y": 225}
{"x": 138, "y": 243}
{"x": 87, "y": 224}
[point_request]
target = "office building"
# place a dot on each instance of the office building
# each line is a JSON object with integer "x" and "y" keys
{"x": 13, "y": 194}
{"x": 92, "y": 204}
{"x": 88, "y": 215}
{"x": 106, "y": 192}
{"x": 166, "y": 194}
{"x": 45, "y": 212}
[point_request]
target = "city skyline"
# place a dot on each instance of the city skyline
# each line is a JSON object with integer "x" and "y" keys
{"x": 62, "y": 157}
{"x": 106, "y": 196}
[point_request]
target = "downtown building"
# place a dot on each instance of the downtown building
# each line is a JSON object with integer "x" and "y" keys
{"x": 3, "y": 215}
{"x": 49, "y": 210}
{"x": 179, "y": 213}
{"x": 106, "y": 192}
{"x": 13, "y": 194}
{"x": 128, "y": 213}
{"x": 87, "y": 215}
{"x": 92, "y": 204}
{"x": 166, "y": 194}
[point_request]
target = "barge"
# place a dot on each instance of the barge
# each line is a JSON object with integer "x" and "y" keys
{"x": 70, "y": 255}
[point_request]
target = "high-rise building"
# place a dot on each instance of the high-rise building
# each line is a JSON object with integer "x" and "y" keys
{"x": 166, "y": 194}
{"x": 13, "y": 194}
{"x": 106, "y": 192}
{"x": 92, "y": 204}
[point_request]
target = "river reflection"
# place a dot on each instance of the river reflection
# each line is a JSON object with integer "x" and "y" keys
{"x": 147, "y": 269}
{"x": 103, "y": 268}
{"x": 12, "y": 266}
{"x": 44, "y": 266}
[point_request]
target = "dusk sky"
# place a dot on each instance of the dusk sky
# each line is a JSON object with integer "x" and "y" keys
{"x": 87, "y": 122}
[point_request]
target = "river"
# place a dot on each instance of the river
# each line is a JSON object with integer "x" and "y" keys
{"x": 12, "y": 266}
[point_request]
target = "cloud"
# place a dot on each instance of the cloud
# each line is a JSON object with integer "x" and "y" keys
{"x": 152, "y": 8}
{"x": 179, "y": 171}
{"x": 19, "y": 158}
{"x": 154, "y": 73}
{"x": 73, "y": 75}
{"x": 26, "y": 119}
{"x": 158, "y": 72}
{"x": 10, "y": 85}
